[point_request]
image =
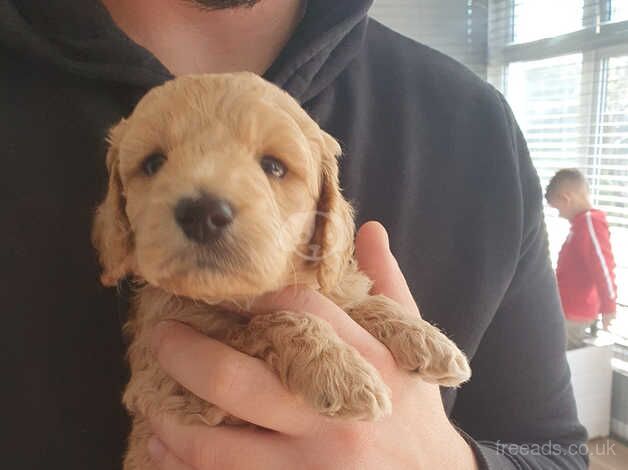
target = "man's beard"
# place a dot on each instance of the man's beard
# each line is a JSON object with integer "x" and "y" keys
{"x": 223, "y": 4}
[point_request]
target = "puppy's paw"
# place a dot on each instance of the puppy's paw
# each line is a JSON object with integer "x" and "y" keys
{"x": 422, "y": 348}
{"x": 416, "y": 345}
{"x": 314, "y": 363}
{"x": 344, "y": 384}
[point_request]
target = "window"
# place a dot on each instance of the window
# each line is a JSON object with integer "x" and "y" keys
{"x": 538, "y": 19}
{"x": 563, "y": 66}
{"x": 609, "y": 165}
{"x": 545, "y": 96}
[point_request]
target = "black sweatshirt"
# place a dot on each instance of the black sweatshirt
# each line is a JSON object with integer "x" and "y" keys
{"x": 431, "y": 151}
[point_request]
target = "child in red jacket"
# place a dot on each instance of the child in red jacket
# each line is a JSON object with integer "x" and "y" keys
{"x": 586, "y": 268}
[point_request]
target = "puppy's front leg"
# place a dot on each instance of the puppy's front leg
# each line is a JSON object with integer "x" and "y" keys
{"x": 415, "y": 344}
{"x": 313, "y": 362}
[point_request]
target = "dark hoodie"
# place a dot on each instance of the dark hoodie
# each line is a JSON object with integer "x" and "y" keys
{"x": 431, "y": 151}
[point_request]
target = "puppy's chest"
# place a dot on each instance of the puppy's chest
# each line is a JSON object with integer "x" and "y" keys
{"x": 210, "y": 320}
{"x": 152, "y": 305}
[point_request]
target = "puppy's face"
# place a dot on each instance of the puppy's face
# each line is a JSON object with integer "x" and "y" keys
{"x": 221, "y": 186}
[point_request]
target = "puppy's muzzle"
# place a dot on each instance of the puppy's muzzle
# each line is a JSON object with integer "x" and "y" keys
{"x": 203, "y": 220}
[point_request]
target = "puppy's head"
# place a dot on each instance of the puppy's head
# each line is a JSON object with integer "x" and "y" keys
{"x": 221, "y": 186}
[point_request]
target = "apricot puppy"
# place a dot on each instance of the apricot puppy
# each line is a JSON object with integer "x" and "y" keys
{"x": 221, "y": 188}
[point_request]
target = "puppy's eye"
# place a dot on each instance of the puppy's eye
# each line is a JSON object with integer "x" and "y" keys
{"x": 153, "y": 163}
{"x": 273, "y": 167}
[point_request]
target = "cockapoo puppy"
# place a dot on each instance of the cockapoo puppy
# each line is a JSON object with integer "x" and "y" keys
{"x": 221, "y": 188}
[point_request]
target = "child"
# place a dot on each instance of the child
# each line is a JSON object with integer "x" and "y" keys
{"x": 585, "y": 271}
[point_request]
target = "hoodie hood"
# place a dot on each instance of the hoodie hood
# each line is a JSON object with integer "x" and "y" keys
{"x": 80, "y": 37}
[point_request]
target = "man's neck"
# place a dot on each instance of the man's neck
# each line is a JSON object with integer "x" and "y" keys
{"x": 188, "y": 39}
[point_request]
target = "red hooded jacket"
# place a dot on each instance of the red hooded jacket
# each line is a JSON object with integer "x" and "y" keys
{"x": 586, "y": 268}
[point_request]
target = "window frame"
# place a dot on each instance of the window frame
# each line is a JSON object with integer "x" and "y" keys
{"x": 597, "y": 33}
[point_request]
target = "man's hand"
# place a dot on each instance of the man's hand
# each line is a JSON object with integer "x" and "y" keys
{"x": 418, "y": 435}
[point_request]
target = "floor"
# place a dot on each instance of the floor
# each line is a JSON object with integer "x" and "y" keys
{"x": 608, "y": 454}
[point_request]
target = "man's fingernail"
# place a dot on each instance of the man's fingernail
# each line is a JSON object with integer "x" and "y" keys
{"x": 378, "y": 228}
{"x": 156, "y": 449}
{"x": 384, "y": 233}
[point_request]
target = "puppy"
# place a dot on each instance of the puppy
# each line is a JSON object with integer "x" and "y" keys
{"x": 221, "y": 188}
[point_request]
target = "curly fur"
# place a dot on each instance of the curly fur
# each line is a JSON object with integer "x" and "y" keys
{"x": 213, "y": 130}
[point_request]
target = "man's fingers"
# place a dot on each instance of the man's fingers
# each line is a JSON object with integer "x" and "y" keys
{"x": 379, "y": 264}
{"x": 220, "y": 447}
{"x": 235, "y": 382}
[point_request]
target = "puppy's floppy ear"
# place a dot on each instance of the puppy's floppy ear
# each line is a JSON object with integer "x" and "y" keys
{"x": 334, "y": 230}
{"x": 111, "y": 233}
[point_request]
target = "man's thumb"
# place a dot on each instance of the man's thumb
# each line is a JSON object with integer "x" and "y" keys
{"x": 378, "y": 263}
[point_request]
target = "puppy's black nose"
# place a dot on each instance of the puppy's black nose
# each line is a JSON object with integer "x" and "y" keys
{"x": 203, "y": 219}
